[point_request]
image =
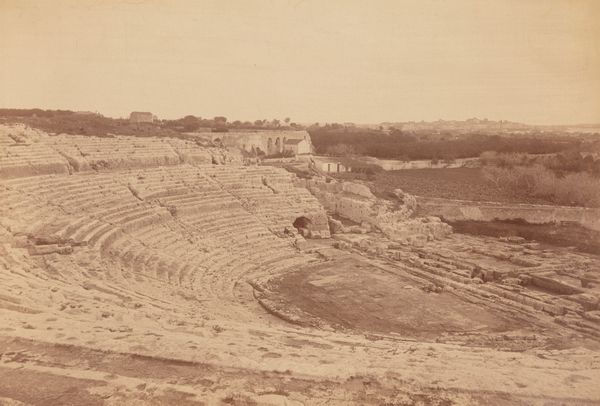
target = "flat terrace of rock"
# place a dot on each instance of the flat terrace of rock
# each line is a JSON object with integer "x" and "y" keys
{"x": 160, "y": 271}
{"x": 355, "y": 294}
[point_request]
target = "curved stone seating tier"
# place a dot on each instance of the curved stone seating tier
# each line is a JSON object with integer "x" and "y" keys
{"x": 6, "y": 141}
{"x": 159, "y": 210}
{"x": 211, "y": 267}
{"x": 23, "y": 212}
{"x": 254, "y": 187}
{"x": 23, "y": 152}
{"x": 21, "y": 161}
{"x": 258, "y": 191}
{"x": 128, "y": 216}
{"x": 27, "y": 152}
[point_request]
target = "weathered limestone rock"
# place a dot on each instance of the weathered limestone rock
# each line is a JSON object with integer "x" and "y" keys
{"x": 50, "y": 249}
{"x": 357, "y": 189}
{"x": 431, "y": 228}
{"x": 355, "y": 202}
{"x": 335, "y": 226}
{"x": 358, "y": 230}
{"x": 366, "y": 226}
{"x": 315, "y": 226}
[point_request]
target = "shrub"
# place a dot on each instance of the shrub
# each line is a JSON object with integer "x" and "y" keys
{"x": 560, "y": 164}
{"x": 423, "y": 146}
{"x": 507, "y": 160}
{"x": 581, "y": 189}
{"x": 488, "y": 157}
{"x": 341, "y": 150}
{"x": 575, "y": 189}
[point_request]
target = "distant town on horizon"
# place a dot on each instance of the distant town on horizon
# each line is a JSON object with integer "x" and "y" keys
{"x": 276, "y": 122}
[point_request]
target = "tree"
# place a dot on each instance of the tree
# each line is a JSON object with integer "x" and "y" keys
{"x": 190, "y": 123}
{"x": 287, "y": 120}
{"x": 220, "y": 120}
{"x": 341, "y": 150}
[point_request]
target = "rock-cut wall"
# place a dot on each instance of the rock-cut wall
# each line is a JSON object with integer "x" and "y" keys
{"x": 267, "y": 141}
{"x": 457, "y": 210}
{"x": 355, "y": 202}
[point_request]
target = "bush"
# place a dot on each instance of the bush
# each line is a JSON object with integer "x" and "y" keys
{"x": 397, "y": 144}
{"x": 581, "y": 189}
{"x": 340, "y": 150}
{"x": 560, "y": 164}
{"x": 488, "y": 157}
{"x": 575, "y": 189}
{"x": 506, "y": 160}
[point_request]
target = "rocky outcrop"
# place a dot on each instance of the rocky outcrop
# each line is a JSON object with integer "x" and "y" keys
{"x": 464, "y": 210}
{"x": 394, "y": 218}
{"x": 416, "y": 231}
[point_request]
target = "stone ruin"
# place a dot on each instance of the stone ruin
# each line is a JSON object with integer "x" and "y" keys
{"x": 394, "y": 218}
{"x": 173, "y": 258}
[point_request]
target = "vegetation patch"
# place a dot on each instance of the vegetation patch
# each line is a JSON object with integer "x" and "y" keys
{"x": 408, "y": 146}
{"x": 564, "y": 179}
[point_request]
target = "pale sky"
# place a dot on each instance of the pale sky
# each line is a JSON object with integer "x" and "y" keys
{"x": 534, "y": 61}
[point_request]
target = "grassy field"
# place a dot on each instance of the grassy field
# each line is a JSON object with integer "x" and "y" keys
{"x": 458, "y": 183}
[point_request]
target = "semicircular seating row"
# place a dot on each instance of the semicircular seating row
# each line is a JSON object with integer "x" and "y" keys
{"x": 28, "y": 152}
{"x": 201, "y": 227}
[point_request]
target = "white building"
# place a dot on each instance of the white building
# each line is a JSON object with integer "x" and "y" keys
{"x": 141, "y": 117}
{"x": 335, "y": 167}
{"x": 297, "y": 146}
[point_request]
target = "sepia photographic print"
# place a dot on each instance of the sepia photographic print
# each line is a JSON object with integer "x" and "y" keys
{"x": 299, "y": 202}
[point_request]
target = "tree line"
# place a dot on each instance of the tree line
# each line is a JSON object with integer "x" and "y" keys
{"x": 71, "y": 122}
{"x": 406, "y": 146}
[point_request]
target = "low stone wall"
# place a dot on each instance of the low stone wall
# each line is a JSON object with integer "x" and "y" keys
{"x": 395, "y": 165}
{"x": 340, "y": 164}
{"x": 457, "y": 210}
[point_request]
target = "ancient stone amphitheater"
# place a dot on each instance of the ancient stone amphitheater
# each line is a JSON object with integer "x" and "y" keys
{"x": 160, "y": 271}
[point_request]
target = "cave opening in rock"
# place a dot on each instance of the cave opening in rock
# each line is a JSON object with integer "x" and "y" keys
{"x": 302, "y": 224}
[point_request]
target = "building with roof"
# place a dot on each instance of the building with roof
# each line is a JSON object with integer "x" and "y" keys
{"x": 297, "y": 146}
{"x": 141, "y": 117}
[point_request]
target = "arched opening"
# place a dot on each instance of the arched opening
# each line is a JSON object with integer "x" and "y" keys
{"x": 270, "y": 146}
{"x": 302, "y": 224}
{"x": 277, "y": 145}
